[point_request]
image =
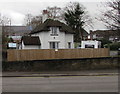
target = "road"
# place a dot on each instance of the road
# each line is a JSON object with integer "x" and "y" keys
{"x": 61, "y": 84}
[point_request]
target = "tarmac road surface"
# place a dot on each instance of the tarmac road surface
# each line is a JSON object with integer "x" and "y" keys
{"x": 61, "y": 84}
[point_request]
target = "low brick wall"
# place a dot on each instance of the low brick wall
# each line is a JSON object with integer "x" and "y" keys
{"x": 63, "y": 65}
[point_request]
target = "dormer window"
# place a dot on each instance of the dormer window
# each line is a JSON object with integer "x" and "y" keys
{"x": 54, "y": 31}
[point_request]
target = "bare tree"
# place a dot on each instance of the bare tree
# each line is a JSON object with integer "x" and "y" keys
{"x": 54, "y": 13}
{"x": 28, "y": 19}
{"x": 36, "y": 20}
{"x": 32, "y": 21}
{"x": 49, "y": 13}
{"x": 4, "y": 21}
{"x": 111, "y": 17}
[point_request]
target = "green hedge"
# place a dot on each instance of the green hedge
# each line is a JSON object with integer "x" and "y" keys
{"x": 113, "y": 46}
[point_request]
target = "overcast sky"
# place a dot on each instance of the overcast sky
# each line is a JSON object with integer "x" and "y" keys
{"x": 17, "y": 9}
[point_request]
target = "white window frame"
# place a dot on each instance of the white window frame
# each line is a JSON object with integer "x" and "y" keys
{"x": 69, "y": 45}
{"x": 54, "y": 45}
{"x": 54, "y": 31}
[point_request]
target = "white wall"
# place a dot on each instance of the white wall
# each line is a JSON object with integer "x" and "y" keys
{"x": 94, "y": 36}
{"x": 62, "y": 38}
{"x": 69, "y": 38}
{"x": 90, "y": 42}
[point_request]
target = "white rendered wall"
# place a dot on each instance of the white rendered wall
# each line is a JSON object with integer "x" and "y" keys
{"x": 62, "y": 38}
{"x": 90, "y": 42}
{"x": 69, "y": 38}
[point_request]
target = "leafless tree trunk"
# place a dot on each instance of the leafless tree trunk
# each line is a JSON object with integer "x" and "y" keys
{"x": 28, "y": 19}
{"x": 4, "y": 21}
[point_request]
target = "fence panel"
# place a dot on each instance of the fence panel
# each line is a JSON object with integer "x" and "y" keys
{"x": 43, "y": 54}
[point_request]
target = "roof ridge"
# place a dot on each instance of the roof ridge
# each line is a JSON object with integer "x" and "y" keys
{"x": 51, "y": 22}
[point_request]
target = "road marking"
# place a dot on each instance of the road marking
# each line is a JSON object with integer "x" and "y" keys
{"x": 67, "y": 76}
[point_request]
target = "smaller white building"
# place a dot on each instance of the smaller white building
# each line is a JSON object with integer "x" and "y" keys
{"x": 30, "y": 42}
{"x": 90, "y": 44}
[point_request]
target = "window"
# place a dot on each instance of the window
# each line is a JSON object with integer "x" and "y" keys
{"x": 89, "y": 46}
{"x": 54, "y": 45}
{"x": 54, "y": 31}
{"x": 69, "y": 44}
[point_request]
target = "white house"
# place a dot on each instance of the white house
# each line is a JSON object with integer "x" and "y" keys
{"x": 52, "y": 34}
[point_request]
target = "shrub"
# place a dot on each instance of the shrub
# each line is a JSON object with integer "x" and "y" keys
{"x": 104, "y": 42}
{"x": 113, "y": 46}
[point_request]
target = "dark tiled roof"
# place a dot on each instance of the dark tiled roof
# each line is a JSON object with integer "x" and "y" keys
{"x": 17, "y": 30}
{"x": 31, "y": 40}
{"x": 55, "y": 23}
{"x": 107, "y": 32}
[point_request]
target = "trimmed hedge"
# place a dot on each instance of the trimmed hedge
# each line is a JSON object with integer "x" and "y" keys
{"x": 63, "y": 65}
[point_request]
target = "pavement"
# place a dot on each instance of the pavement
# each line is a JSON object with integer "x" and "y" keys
{"x": 61, "y": 73}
